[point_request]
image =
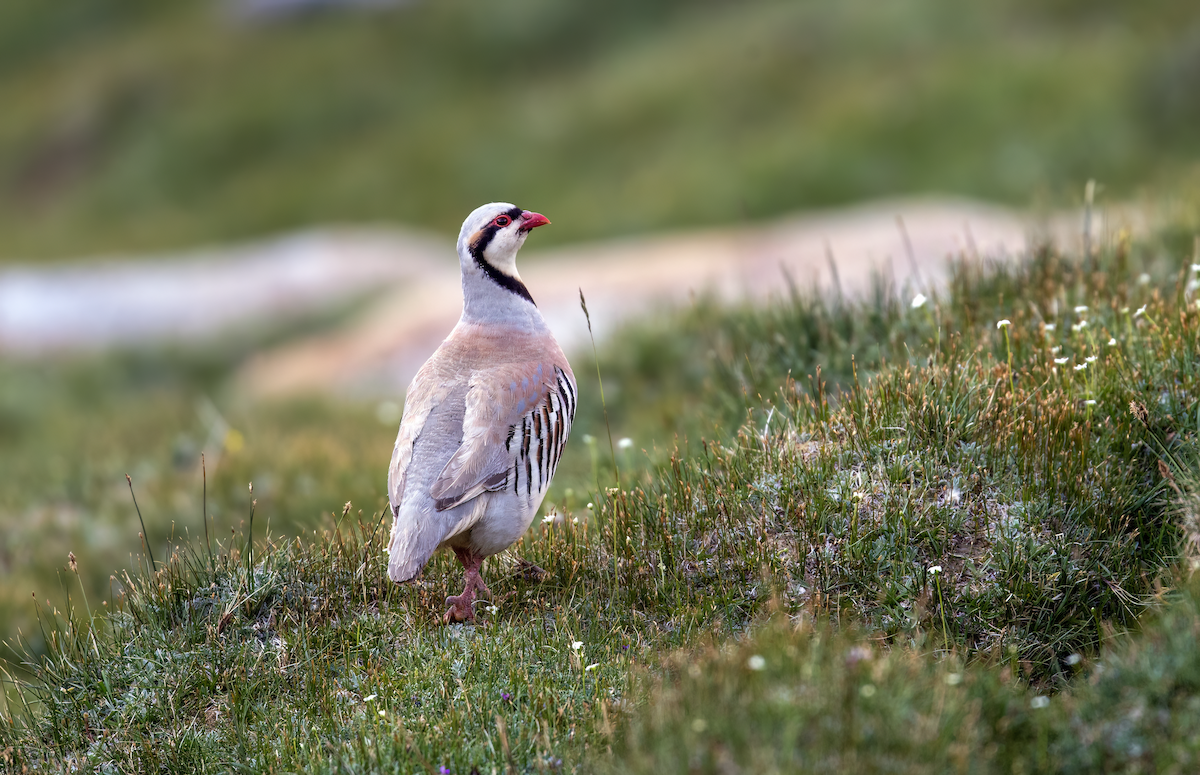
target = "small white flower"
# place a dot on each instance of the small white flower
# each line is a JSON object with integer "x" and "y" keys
{"x": 1091, "y": 359}
{"x": 1003, "y": 323}
{"x": 1196, "y": 268}
{"x": 1039, "y": 702}
{"x": 1049, "y": 326}
{"x": 1073, "y": 659}
{"x": 1112, "y": 342}
{"x": 625, "y": 443}
{"x": 592, "y": 666}
{"x": 1055, "y": 350}
{"x": 1140, "y": 311}
{"x": 1082, "y": 308}
{"x": 1143, "y": 279}
{"x": 1061, "y": 361}
{"x": 919, "y": 301}
{"x": 492, "y": 609}
{"x": 935, "y": 569}
{"x": 546, "y": 520}
{"x": 370, "y": 697}
{"x": 756, "y": 663}
{"x": 591, "y": 505}
{"x": 1080, "y": 366}
{"x": 382, "y": 712}
{"x": 1090, "y": 402}
{"x": 575, "y": 646}
{"x": 1079, "y": 326}
{"x": 953, "y": 679}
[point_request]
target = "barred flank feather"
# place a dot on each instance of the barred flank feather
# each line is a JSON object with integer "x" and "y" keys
{"x": 537, "y": 442}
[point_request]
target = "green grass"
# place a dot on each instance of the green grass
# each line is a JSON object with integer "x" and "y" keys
{"x": 923, "y": 513}
{"x": 805, "y": 697}
{"x": 139, "y": 126}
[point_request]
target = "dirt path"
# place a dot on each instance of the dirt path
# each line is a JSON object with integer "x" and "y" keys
{"x": 216, "y": 292}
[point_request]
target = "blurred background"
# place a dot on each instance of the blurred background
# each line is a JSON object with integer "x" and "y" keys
{"x": 226, "y": 227}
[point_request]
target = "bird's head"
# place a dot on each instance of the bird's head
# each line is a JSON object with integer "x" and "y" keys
{"x": 492, "y": 235}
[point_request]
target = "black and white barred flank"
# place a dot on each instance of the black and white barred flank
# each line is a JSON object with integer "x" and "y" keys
{"x": 537, "y": 442}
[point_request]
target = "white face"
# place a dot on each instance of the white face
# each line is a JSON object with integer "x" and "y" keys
{"x": 502, "y": 222}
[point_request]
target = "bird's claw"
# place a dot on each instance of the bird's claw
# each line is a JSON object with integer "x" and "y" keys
{"x": 460, "y": 610}
{"x": 530, "y": 572}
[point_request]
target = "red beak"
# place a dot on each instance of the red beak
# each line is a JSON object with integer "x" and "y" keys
{"x": 532, "y": 220}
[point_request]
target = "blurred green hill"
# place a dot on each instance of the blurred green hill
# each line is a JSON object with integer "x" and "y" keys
{"x": 139, "y": 125}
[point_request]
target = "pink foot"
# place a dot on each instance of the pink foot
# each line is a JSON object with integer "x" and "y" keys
{"x": 462, "y": 607}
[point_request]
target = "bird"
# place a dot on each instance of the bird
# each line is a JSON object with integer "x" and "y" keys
{"x": 485, "y": 419}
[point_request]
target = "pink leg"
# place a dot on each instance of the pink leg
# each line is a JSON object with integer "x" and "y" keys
{"x": 461, "y": 608}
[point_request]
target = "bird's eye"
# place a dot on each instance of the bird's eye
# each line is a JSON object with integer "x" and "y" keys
{"x": 502, "y": 221}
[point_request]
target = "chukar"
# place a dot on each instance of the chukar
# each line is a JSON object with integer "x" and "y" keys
{"x": 485, "y": 419}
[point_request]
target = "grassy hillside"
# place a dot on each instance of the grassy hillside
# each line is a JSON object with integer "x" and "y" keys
{"x": 143, "y": 125}
{"x": 912, "y": 571}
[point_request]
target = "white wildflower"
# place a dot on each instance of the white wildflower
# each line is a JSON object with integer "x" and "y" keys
{"x": 1061, "y": 361}
{"x": 546, "y": 520}
{"x": 756, "y": 662}
{"x": 1196, "y": 268}
{"x": 1091, "y": 359}
{"x": 592, "y": 666}
{"x": 1003, "y": 323}
{"x": 1080, "y": 366}
{"x": 919, "y": 301}
{"x": 576, "y": 645}
{"x": 1140, "y": 311}
{"x": 935, "y": 569}
{"x": 1143, "y": 279}
{"x": 1082, "y": 308}
{"x": 625, "y": 443}
{"x": 1090, "y": 402}
{"x": 369, "y": 697}
{"x": 1079, "y": 326}
{"x": 1112, "y": 342}
{"x": 1039, "y": 702}
{"x": 1049, "y": 326}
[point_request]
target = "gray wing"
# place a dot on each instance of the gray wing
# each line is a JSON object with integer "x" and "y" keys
{"x": 516, "y": 424}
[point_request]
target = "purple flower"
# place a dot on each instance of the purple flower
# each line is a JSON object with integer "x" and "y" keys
{"x": 505, "y": 696}
{"x": 444, "y": 770}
